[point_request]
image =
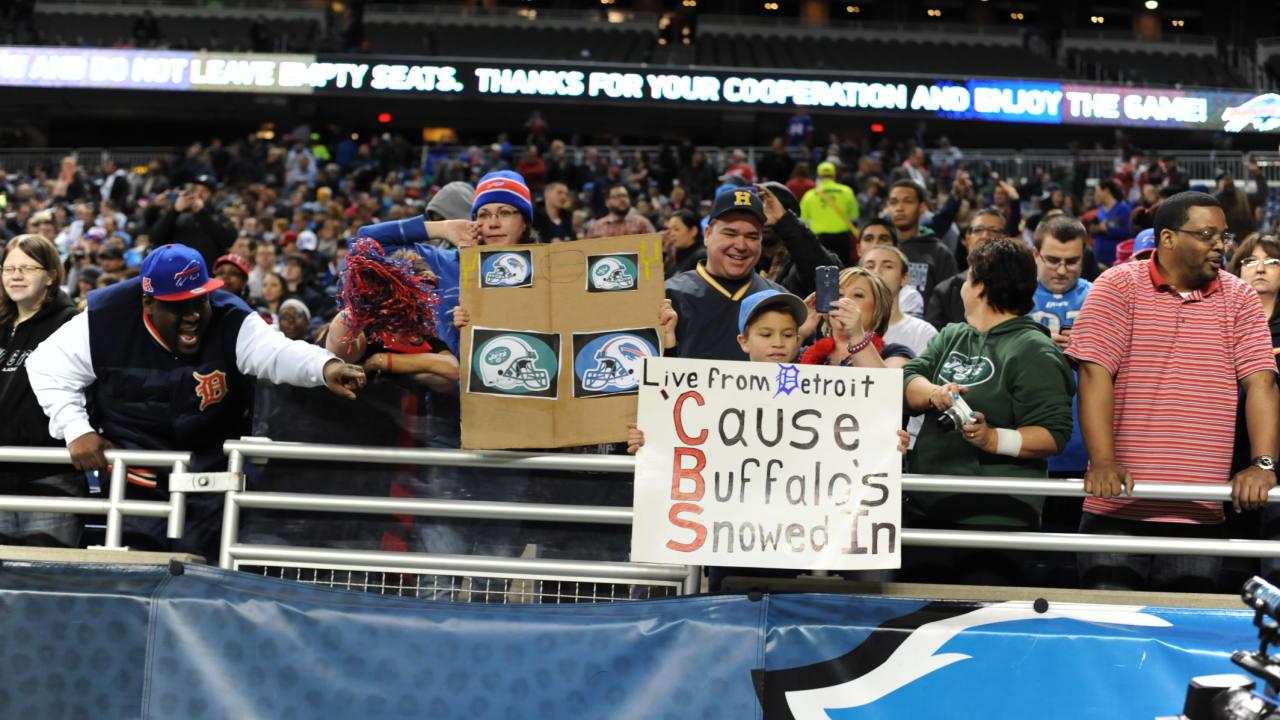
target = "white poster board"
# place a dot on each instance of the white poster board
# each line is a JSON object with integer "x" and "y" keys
{"x": 768, "y": 465}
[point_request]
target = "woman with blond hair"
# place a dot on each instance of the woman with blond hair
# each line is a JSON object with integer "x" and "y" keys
{"x": 854, "y": 327}
{"x": 31, "y": 307}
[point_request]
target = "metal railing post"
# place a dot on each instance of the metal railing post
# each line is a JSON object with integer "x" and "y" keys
{"x": 230, "y": 513}
{"x": 692, "y": 581}
{"x": 177, "y": 507}
{"x": 115, "y": 518}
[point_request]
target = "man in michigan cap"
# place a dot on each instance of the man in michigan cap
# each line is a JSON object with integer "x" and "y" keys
{"x": 707, "y": 298}
{"x": 160, "y": 363}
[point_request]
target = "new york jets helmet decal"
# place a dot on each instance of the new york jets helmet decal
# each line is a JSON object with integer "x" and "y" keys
{"x": 514, "y": 363}
{"x": 610, "y": 273}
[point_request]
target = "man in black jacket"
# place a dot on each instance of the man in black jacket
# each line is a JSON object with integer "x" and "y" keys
{"x": 791, "y": 252}
{"x": 931, "y": 261}
{"x": 706, "y": 299}
{"x": 945, "y": 306}
{"x": 192, "y": 222}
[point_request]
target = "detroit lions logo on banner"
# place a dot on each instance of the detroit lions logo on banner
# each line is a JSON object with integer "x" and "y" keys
{"x": 971, "y": 661}
{"x": 611, "y": 363}
{"x": 511, "y": 363}
{"x": 611, "y": 273}
{"x": 507, "y": 268}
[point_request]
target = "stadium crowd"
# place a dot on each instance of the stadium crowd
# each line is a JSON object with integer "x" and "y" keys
{"x": 1084, "y": 320}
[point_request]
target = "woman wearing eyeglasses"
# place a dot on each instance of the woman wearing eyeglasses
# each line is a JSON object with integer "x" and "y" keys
{"x": 1257, "y": 261}
{"x": 31, "y": 307}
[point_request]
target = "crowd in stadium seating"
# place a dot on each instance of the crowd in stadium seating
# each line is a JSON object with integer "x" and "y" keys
{"x": 996, "y": 286}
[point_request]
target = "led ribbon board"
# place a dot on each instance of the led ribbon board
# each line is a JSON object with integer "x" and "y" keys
{"x": 995, "y": 100}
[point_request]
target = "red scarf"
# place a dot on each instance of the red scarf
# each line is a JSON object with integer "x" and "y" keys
{"x": 818, "y": 352}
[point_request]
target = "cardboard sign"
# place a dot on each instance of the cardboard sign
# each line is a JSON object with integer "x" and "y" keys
{"x": 557, "y": 337}
{"x": 768, "y": 465}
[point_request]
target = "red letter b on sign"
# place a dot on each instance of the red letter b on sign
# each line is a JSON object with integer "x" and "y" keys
{"x": 679, "y": 472}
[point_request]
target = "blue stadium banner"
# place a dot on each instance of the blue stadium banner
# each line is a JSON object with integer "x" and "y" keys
{"x": 989, "y": 99}
{"x": 139, "y": 642}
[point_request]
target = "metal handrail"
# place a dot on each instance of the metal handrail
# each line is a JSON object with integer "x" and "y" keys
{"x": 542, "y": 512}
{"x": 115, "y": 506}
{"x": 1071, "y": 542}
{"x": 232, "y": 552}
{"x": 239, "y": 450}
{"x": 266, "y": 449}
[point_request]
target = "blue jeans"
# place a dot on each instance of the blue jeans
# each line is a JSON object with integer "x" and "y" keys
{"x": 45, "y": 528}
{"x": 1168, "y": 573}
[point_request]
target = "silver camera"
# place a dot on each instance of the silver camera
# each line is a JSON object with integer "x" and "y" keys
{"x": 958, "y": 414}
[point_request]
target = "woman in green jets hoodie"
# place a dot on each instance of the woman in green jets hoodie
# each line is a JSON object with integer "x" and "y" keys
{"x": 1013, "y": 377}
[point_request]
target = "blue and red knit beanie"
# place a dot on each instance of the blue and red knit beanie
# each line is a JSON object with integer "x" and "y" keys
{"x": 504, "y": 186}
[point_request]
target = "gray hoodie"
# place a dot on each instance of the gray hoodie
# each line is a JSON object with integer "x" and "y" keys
{"x": 453, "y": 201}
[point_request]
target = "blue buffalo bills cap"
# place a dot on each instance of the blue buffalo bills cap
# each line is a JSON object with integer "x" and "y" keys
{"x": 756, "y": 303}
{"x": 176, "y": 272}
{"x": 1145, "y": 242}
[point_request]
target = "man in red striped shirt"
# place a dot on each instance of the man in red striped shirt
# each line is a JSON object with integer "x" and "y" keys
{"x": 1164, "y": 346}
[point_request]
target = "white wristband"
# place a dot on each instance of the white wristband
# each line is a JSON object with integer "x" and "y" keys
{"x": 1008, "y": 442}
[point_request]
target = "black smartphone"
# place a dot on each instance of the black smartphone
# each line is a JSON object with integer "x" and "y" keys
{"x": 827, "y": 284}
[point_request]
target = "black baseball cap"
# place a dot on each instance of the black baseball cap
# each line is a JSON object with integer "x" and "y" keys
{"x": 744, "y": 200}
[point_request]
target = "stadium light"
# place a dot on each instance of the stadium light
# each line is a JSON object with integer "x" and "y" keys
{"x": 1152, "y": 4}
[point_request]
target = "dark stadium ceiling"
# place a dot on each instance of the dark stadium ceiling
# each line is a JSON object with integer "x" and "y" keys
{"x": 1066, "y": 14}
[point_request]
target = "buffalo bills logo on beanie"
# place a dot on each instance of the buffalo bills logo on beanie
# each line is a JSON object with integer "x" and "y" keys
{"x": 504, "y": 186}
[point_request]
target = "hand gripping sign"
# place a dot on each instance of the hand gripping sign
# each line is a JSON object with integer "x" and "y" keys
{"x": 768, "y": 465}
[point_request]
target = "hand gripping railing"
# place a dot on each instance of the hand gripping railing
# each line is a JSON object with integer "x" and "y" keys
{"x": 232, "y": 551}
{"x": 115, "y": 506}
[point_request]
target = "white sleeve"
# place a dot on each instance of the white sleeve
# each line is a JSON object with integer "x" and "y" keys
{"x": 265, "y": 353}
{"x": 59, "y": 370}
{"x": 910, "y": 301}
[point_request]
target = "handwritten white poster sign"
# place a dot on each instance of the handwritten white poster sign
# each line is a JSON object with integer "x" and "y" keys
{"x": 768, "y": 465}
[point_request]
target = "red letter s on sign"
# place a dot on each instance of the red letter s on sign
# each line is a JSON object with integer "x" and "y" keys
{"x": 699, "y": 530}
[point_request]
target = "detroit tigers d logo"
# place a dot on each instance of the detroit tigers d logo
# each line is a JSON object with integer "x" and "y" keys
{"x": 211, "y": 388}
